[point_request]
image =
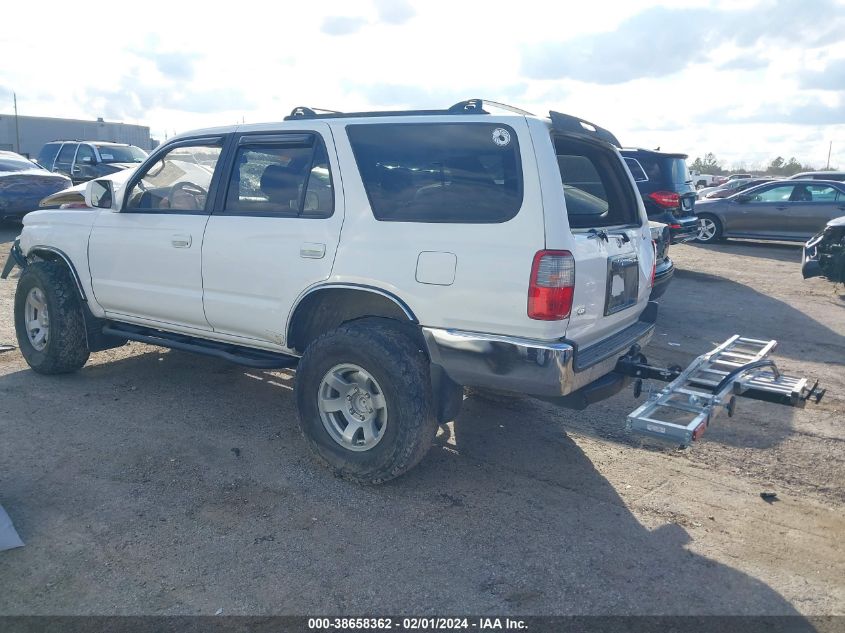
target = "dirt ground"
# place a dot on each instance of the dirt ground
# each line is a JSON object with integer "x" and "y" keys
{"x": 157, "y": 482}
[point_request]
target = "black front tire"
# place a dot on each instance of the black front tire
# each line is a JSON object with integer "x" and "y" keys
{"x": 66, "y": 348}
{"x": 716, "y": 236}
{"x": 401, "y": 367}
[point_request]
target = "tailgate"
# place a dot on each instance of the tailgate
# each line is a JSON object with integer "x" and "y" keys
{"x": 611, "y": 245}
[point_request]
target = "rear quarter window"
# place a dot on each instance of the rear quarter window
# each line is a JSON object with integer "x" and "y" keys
{"x": 636, "y": 169}
{"x": 439, "y": 172}
{"x": 596, "y": 187}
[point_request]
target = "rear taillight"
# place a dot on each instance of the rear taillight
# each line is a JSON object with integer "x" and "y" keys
{"x": 552, "y": 285}
{"x": 666, "y": 198}
{"x": 653, "y": 263}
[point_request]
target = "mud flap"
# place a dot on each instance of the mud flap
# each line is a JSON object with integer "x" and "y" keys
{"x": 15, "y": 258}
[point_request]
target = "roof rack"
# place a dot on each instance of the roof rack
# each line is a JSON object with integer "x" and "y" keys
{"x": 470, "y": 106}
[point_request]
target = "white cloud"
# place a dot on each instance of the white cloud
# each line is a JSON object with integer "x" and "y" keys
{"x": 679, "y": 82}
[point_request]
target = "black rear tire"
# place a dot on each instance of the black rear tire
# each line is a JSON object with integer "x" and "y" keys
{"x": 397, "y": 362}
{"x": 66, "y": 348}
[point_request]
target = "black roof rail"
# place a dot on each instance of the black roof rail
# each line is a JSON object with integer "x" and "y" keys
{"x": 574, "y": 125}
{"x": 470, "y": 106}
{"x": 476, "y": 106}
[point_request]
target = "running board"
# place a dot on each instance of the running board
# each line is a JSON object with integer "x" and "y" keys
{"x": 683, "y": 409}
{"x": 259, "y": 359}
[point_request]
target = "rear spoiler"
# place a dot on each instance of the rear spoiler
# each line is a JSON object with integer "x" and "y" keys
{"x": 574, "y": 125}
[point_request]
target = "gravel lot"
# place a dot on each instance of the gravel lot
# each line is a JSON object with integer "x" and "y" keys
{"x": 160, "y": 482}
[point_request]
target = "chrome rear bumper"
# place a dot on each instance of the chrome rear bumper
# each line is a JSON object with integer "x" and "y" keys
{"x": 536, "y": 368}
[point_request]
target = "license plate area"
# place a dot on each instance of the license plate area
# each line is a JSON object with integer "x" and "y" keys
{"x": 623, "y": 283}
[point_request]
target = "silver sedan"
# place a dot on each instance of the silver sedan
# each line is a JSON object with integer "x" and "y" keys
{"x": 792, "y": 210}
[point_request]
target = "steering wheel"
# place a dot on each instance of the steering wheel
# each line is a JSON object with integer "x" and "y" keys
{"x": 190, "y": 188}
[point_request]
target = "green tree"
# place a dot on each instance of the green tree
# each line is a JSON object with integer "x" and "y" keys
{"x": 792, "y": 167}
{"x": 707, "y": 165}
{"x": 775, "y": 168}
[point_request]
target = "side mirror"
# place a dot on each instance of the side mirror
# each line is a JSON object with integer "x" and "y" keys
{"x": 742, "y": 198}
{"x": 99, "y": 194}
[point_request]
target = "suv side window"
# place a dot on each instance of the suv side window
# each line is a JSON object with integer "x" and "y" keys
{"x": 47, "y": 155}
{"x": 281, "y": 175}
{"x": 85, "y": 151}
{"x": 65, "y": 157}
{"x": 439, "y": 172}
{"x": 178, "y": 181}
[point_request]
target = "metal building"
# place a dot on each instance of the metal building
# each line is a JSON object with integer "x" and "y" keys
{"x": 35, "y": 131}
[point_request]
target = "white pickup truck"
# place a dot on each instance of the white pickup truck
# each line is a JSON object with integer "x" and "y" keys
{"x": 390, "y": 257}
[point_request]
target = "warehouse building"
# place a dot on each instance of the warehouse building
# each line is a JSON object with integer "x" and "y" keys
{"x": 33, "y": 132}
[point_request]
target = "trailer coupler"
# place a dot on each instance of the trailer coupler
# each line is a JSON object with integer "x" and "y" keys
{"x": 681, "y": 411}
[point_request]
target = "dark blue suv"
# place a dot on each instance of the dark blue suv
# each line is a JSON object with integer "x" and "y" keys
{"x": 666, "y": 188}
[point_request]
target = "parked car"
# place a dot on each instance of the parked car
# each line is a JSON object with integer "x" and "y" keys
{"x": 84, "y": 160}
{"x": 666, "y": 189}
{"x": 23, "y": 184}
{"x": 664, "y": 269}
{"x": 824, "y": 253}
{"x": 739, "y": 177}
{"x": 700, "y": 180}
{"x": 820, "y": 175}
{"x": 731, "y": 187}
{"x": 791, "y": 210}
{"x": 460, "y": 262}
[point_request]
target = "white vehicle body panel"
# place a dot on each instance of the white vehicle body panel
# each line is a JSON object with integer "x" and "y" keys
{"x": 493, "y": 261}
{"x": 149, "y": 266}
{"x": 254, "y": 268}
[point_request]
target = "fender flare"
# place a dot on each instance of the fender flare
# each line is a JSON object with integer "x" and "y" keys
{"x": 64, "y": 257}
{"x": 406, "y": 310}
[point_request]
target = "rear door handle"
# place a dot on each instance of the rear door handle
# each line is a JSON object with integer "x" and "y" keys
{"x": 180, "y": 241}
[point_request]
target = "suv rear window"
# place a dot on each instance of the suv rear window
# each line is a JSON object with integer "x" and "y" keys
{"x": 665, "y": 169}
{"x": 439, "y": 172}
{"x": 595, "y": 185}
{"x": 48, "y": 154}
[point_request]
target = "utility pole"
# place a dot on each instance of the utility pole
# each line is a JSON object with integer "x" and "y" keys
{"x": 830, "y": 147}
{"x": 17, "y": 127}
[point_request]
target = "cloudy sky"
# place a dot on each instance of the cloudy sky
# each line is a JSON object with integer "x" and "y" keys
{"x": 747, "y": 80}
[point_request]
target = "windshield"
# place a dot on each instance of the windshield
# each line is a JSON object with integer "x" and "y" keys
{"x": 121, "y": 153}
{"x": 15, "y": 164}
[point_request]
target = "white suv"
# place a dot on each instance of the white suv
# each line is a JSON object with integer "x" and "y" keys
{"x": 390, "y": 257}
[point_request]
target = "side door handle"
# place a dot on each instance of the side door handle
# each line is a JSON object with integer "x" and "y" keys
{"x": 312, "y": 250}
{"x": 180, "y": 241}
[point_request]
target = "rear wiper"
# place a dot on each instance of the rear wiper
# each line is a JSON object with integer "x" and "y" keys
{"x": 599, "y": 233}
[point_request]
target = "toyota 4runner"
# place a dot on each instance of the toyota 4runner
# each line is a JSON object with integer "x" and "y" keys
{"x": 390, "y": 257}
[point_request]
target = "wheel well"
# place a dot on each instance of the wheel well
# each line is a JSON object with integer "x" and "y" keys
{"x": 55, "y": 255}
{"x": 326, "y": 309}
